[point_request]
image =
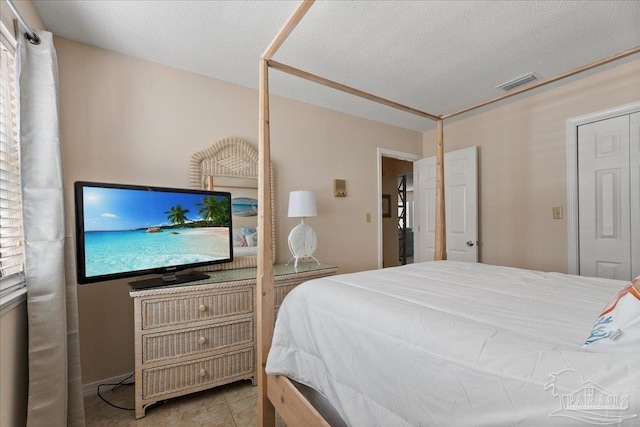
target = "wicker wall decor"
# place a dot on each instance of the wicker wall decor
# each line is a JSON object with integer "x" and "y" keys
{"x": 229, "y": 158}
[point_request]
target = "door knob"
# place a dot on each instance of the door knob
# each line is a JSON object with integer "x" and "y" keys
{"x": 471, "y": 243}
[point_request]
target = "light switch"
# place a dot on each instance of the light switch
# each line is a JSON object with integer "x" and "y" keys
{"x": 557, "y": 212}
{"x": 368, "y": 217}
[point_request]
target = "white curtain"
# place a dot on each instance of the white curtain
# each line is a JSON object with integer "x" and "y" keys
{"x": 55, "y": 387}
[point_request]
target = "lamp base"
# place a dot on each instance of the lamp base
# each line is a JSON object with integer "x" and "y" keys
{"x": 303, "y": 242}
{"x": 295, "y": 264}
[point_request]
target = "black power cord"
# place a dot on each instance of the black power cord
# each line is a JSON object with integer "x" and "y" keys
{"x": 115, "y": 387}
{"x": 122, "y": 384}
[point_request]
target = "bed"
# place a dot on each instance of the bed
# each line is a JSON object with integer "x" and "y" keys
{"x": 451, "y": 343}
{"x": 552, "y": 351}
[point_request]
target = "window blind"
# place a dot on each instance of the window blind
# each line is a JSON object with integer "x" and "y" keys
{"x": 11, "y": 235}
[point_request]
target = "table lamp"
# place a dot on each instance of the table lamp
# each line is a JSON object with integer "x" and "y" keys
{"x": 302, "y": 239}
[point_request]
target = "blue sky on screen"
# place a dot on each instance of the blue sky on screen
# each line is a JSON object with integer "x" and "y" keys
{"x": 111, "y": 209}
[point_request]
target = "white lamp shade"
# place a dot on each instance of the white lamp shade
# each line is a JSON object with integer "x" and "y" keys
{"x": 302, "y": 204}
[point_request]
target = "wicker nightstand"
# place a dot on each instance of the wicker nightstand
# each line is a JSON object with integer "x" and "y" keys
{"x": 201, "y": 335}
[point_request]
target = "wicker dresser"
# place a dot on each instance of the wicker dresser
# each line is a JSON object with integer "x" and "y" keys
{"x": 201, "y": 335}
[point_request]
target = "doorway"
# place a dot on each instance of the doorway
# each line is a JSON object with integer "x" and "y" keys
{"x": 405, "y": 218}
{"x": 397, "y": 212}
{"x": 392, "y": 165}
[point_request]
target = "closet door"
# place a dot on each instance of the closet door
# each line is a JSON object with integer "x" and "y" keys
{"x": 634, "y": 159}
{"x": 461, "y": 204}
{"x": 604, "y": 215}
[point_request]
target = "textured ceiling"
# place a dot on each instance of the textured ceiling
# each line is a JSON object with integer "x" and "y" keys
{"x": 437, "y": 56}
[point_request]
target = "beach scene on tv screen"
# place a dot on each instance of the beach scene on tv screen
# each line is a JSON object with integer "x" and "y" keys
{"x": 131, "y": 230}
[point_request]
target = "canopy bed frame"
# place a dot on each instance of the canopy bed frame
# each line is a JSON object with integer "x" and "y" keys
{"x": 278, "y": 392}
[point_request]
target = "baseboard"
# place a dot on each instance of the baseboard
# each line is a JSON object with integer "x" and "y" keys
{"x": 92, "y": 388}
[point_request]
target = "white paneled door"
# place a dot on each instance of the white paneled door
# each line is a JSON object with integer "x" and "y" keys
{"x": 609, "y": 197}
{"x": 424, "y": 194}
{"x": 634, "y": 175}
{"x": 461, "y": 205}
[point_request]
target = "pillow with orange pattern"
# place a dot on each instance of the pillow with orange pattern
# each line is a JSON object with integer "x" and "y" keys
{"x": 617, "y": 329}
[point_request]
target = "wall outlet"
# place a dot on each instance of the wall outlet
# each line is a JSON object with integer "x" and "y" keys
{"x": 557, "y": 212}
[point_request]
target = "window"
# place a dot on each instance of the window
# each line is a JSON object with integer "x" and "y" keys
{"x": 11, "y": 236}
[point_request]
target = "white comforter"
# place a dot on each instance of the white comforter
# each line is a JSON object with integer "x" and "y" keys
{"x": 452, "y": 343}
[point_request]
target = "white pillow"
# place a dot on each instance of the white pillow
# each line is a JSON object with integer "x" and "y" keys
{"x": 617, "y": 330}
{"x": 238, "y": 238}
{"x": 252, "y": 239}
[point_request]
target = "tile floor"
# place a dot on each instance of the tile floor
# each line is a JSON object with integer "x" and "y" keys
{"x": 232, "y": 405}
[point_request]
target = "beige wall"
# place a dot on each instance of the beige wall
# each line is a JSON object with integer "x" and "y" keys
{"x": 14, "y": 375}
{"x": 129, "y": 121}
{"x": 522, "y": 165}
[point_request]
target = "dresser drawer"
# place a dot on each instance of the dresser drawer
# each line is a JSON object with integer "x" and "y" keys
{"x": 186, "y": 342}
{"x": 199, "y": 373}
{"x": 178, "y": 310}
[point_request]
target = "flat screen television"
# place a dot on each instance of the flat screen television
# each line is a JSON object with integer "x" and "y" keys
{"x": 130, "y": 230}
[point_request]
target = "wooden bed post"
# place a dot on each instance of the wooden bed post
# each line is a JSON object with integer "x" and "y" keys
{"x": 265, "y": 300}
{"x": 441, "y": 227}
{"x": 346, "y": 89}
{"x": 265, "y": 296}
{"x": 287, "y": 28}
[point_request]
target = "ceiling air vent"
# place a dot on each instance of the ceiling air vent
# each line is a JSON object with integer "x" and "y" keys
{"x": 518, "y": 81}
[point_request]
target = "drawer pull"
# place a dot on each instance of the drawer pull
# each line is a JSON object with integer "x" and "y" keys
{"x": 202, "y": 340}
{"x": 202, "y": 372}
{"x": 202, "y": 308}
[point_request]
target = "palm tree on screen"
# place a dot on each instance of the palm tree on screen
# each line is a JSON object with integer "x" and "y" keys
{"x": 215, "y": 210}
{"x": 177, "y": 215}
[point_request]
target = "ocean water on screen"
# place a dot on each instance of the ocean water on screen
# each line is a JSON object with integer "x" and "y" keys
{"x": 108, "y": 252}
